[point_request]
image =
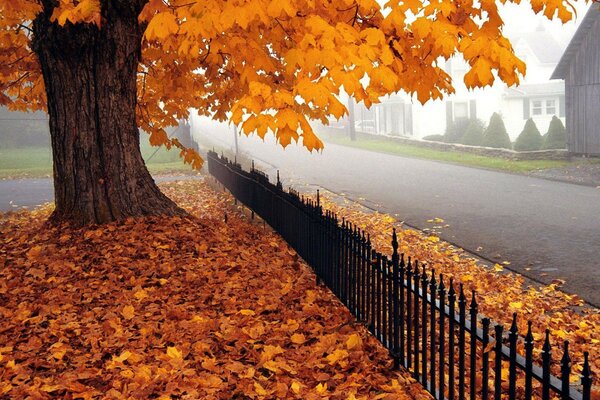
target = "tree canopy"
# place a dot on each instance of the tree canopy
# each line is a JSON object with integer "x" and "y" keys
{"x": 273, "y": 65}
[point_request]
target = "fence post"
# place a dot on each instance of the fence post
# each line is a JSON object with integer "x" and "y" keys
{"x": 586, "y": 377}
{"x": 498, "y": 363}
{"x": 546, "y": 359}
{"x": 451, "y": 336}
{"x": 512, "y": 366}
{"x": 565, "y": 372}
{"x": 396, "y": 299}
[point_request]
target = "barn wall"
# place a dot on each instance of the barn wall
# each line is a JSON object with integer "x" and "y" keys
{"x": 583, "y": 95}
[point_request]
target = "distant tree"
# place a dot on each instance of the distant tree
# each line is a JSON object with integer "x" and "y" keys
{"x": 530, "y": 138}
{"x": 351, "y": 119}
{"x": 495, "y": 135}
{"x": 435, "y": 138}
{"x": 556, "y": 137}
{"x": 456, "y": 130}
{"x": 474, "y": 134}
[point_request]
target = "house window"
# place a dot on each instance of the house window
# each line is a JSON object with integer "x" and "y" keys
{"x": 536, "y": 107}
{"x": 551, "y": 107}
{"x": 541, "y": 107}
{"x": 461, "y": 110}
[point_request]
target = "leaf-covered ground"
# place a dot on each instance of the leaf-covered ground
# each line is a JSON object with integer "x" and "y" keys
{"x": 189, "y": 308}
{"x": 500, "y": 293}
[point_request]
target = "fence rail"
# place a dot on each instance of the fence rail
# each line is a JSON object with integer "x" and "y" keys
{"x": 430, "y": 329}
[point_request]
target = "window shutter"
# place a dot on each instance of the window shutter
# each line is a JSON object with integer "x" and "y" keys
{"x": 526, "y": 111}
{"x": 561, "y": 106}
{"x": 473, "y": 109}
{"x": 449, "y": 117}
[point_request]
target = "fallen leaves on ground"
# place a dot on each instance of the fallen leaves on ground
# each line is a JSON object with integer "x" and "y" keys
{"x": 190, "y": 308}
{"x": 499, "y": 292}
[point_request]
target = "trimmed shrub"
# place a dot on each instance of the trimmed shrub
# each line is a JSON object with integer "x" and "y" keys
{"x": 456, "y": 130}
{"x": 474, "y": 133}
{"x": 556, "y": 138}
{"x": 435, "y": 138}
{"x": 530, "y": 138}
{"x": 495, "y": 135}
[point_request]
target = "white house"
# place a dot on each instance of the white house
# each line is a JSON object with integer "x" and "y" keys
{"x": 537, "y": 97}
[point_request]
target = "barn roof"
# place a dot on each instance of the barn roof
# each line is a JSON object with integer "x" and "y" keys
{"x": 592, "y": 15}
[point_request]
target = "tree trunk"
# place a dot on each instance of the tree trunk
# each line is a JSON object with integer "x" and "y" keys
{"x": 351, "y": 119}
{"x": 90, "y": 75}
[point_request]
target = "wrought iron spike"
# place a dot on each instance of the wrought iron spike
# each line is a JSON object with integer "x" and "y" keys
{"x": 566, "y": 359}
{"x": 513, "y": 326}
{"x": 546, "y": 347}
{"x": 529, "y": 335}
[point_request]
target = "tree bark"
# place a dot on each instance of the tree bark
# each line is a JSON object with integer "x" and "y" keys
{"x": 90, "y": 75}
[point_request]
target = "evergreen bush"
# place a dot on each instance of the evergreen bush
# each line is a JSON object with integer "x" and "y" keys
{"x": 556, "y": 138}
{"x": 474, "y": 133}
{"x": 495, "y": 135}
{"x": 530, "y": 138}
{"x": 456, "y": 130}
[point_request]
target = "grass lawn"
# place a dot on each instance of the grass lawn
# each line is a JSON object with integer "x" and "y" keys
{"x": 383, "y": 145}
{"x": 31, "y": 162}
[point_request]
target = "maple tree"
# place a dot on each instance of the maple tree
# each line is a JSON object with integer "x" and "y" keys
{"x": 104, "y": 68}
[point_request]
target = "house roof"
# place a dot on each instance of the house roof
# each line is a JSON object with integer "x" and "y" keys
{"x": 592, "y": 15}
{"x": 536, "y": 89}
{"x": 543, "y": 45}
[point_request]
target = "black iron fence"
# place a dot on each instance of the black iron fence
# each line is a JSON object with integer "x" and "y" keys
{"x": 430, "y": 329}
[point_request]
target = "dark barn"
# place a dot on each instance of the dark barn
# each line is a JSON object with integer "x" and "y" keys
{"x": 580, "y": 68}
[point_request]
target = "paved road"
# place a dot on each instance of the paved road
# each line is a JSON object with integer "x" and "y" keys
{"x": 550, "y": 228}
{"x": 18, "y": 193}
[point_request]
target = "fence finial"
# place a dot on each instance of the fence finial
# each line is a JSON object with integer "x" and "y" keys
{"x": 318, "y": 198}
{"x": 586, "y": 377}
{"x": 565, "y": 371}
{"x": 394, "y": 241}
{"x": 279, "y": 185}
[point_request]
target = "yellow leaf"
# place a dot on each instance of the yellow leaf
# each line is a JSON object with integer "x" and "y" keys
{"x": 161, "y": 26}
{"x": 516, "y": 305}
{"x": 298, "y": 338}
{"x": 259, "y": 389}
{"x": 247, "y": 312}
{"x": 127, "y": 373}
{"x": 174, "y": 353}
{"x": 295, "y": 386}
{"x": 321, "y": 388}
{"x": 498, "y": 268}
{"x": 50, "y": 388}
{"x": 124, "y": 356}
{"x": 128, "y": 312}
{"x": 34, "y": 252}
{"x": 353, "y": 341}
{"x": 140, "y": 294}
{"x": 336, "y": 356}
